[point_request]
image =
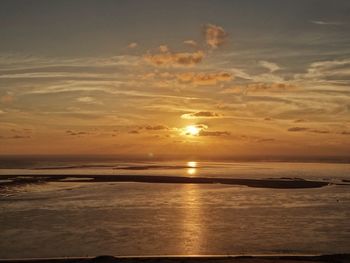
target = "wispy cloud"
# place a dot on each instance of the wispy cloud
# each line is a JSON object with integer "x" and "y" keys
{"x": 259, "y": 88}
{"x": 133, "y": 45}
{"x": 272, "y": 67}
{"x": 326, "y": 23}
{"x": 89, "y": 100}
{"x": 191, "y": 43}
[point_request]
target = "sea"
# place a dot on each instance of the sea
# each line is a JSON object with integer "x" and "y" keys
{"x": 66, "y": 218}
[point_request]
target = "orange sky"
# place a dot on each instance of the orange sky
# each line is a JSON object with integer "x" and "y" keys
{"x": 244, "y": 92}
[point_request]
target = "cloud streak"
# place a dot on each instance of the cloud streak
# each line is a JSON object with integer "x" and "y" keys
{"x": 200, "y": 114}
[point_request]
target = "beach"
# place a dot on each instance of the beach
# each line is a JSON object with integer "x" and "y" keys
{"x": 341, "y": 258}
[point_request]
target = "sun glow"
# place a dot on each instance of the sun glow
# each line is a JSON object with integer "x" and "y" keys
{"x": 192, "y": 164}
{"x": 192, "y": 130}
{"x": 191, "y": 168}
{"x": 191, "y": 171}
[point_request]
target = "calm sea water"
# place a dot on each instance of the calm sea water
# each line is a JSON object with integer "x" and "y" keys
{"x": 62, "y": 219}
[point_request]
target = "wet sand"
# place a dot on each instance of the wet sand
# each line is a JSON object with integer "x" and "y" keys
{"x": 280, "y": 183}
{"x": 340, "y": 258}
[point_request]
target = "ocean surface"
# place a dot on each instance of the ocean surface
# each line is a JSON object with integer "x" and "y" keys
{"x": 66, "y": 218}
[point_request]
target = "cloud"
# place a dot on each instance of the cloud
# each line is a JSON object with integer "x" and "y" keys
{"x": 133, "y": 45}
{"x": 297, "y": 129}
{"x": 188, "y": 77}
{"x": 171, "y": 59}
{"x": 199, "y": 127}
{"x": 200, "y": 114}
{"x": 150, "y": 128}
{"x": 302, "y": 129}
{"x": 203, "y": 131}
{"x": 156, "y": 127}
{"x": 191, "y": 43}
{"x": 77, "y": 133}
{"x": 214, "y": 133}
{"x": 272, "y": 67}
{"x": 215, "y": 36}
{"x": 319, "y": 131}
{"x": 16, "y": 137}
{"x": 163, "y": 48}
{"x": 326, "y": 23}
{"x": 203, "y": 78}
{"x": 259, "y": 87}
{"x": 89, "y": 100}
{"x": 329, "y": 72}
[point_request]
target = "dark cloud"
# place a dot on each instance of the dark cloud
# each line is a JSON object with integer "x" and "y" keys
{"x": 214, "y": 133}
{"x": 76, "y": 133}
{"x": 299, "y": 120}
{"x": 319, "y": 131}
{"x": 156, "y": 127}
{"x": 201, "y": 114}
{"x": 297, "y": 129}
{"x": 16, "y": 136}
{"x": 301, "y": 129}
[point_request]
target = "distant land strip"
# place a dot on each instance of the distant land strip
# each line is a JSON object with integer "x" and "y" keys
{"x": 281, "y": 183}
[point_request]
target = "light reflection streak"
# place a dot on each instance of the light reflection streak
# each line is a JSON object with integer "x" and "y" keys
{"x": 192, "y": 216}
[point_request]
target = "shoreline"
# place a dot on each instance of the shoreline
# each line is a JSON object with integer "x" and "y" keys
{"x": 278, "y": 183}
{"x": 327, "y": 258}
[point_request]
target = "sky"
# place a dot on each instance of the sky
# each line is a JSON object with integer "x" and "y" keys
{"x": 207, "y": 79}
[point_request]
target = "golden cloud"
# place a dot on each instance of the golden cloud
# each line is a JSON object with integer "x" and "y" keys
{"x": 167, "y": 58}
{"x": 204, "y": 78}
{"x": 215, "y": 36}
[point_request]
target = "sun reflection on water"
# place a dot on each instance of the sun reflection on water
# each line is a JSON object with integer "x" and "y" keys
{"x": 192, "y": 168}
{"x": 191, "y": 171}
{"x": 192, "y": 235}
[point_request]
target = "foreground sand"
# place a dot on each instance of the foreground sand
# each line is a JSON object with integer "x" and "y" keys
{"x": 341, "y": 258}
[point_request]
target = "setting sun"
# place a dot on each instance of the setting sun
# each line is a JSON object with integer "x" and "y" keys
{"x": 192, "y": 130}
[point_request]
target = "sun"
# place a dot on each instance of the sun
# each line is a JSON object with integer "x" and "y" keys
{"x": 192, "y": 130}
